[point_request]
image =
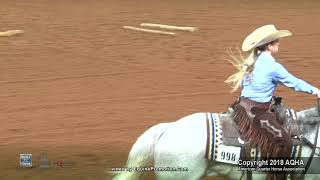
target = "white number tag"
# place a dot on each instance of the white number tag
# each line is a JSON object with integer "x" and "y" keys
{"x": 228, "y": 154}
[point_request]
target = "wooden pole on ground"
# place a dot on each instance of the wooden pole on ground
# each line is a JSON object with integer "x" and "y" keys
{"x": 163, "y": 26}
{"x": 149, "y": 30}
{"x": 11, "y": 33}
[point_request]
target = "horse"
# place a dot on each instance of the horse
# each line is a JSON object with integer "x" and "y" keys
{"x": 176, "y": 150}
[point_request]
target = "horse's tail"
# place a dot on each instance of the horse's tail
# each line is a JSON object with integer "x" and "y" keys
{"x": 141, "y": 153}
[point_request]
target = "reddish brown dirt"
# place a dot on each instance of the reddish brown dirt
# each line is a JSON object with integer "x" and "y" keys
{"x": 77, "y": 81}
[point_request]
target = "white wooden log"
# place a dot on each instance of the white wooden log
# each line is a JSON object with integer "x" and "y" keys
{"x": 11, "y": 33}
{"x": 170, "y": 27}
{"x": 148, "y": 30}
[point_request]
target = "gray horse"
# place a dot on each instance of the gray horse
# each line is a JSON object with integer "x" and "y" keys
{"x": 176, "y": 150}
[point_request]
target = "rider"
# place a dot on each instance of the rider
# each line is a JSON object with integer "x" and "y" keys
{"x": 259, "y": 75}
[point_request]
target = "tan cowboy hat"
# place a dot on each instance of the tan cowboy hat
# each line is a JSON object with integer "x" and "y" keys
{"x": 263, "y": 35}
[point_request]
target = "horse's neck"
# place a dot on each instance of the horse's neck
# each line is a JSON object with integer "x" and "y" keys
{"x": 308, "y": 119}
{"x": 310, "y": 131}
{"x": 305, "y": 114}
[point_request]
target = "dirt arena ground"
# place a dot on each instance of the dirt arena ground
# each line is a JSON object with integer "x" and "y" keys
{"x": 80, "y": 88}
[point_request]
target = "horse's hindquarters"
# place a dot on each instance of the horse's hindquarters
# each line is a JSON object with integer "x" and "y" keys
{"x": 182, "y": 148}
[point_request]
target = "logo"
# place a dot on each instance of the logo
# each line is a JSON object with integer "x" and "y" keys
{"x": 44, "y": 161}
{"x": 25, "y": 160}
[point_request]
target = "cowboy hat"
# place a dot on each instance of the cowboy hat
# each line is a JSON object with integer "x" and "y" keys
{"x": 263, "y": 35}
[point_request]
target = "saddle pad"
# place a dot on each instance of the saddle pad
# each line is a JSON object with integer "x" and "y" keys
{"x": 215, "y": 149}
{"x": 230, "y": 133}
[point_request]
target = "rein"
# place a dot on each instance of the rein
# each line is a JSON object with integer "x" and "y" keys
{"x": 313, "y": 146}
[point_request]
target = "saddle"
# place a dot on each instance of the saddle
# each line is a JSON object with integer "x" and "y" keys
{"x": 285, "y": 116}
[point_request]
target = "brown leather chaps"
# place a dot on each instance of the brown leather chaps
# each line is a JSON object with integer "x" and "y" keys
{"x": 260, "y": 128}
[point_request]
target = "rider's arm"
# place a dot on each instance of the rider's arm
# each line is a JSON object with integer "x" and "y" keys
{"x": 280, "y": 74}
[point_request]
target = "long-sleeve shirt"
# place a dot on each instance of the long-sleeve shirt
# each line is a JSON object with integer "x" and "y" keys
{"x": 260, "y": 85}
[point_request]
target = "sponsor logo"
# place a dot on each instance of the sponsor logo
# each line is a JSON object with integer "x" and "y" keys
{"x": 25, "y": 160}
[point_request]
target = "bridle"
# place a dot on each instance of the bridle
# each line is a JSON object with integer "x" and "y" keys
{"x": 312, "y": 146}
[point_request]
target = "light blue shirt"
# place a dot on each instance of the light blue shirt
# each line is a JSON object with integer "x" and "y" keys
{"x": 260, "y": 85}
